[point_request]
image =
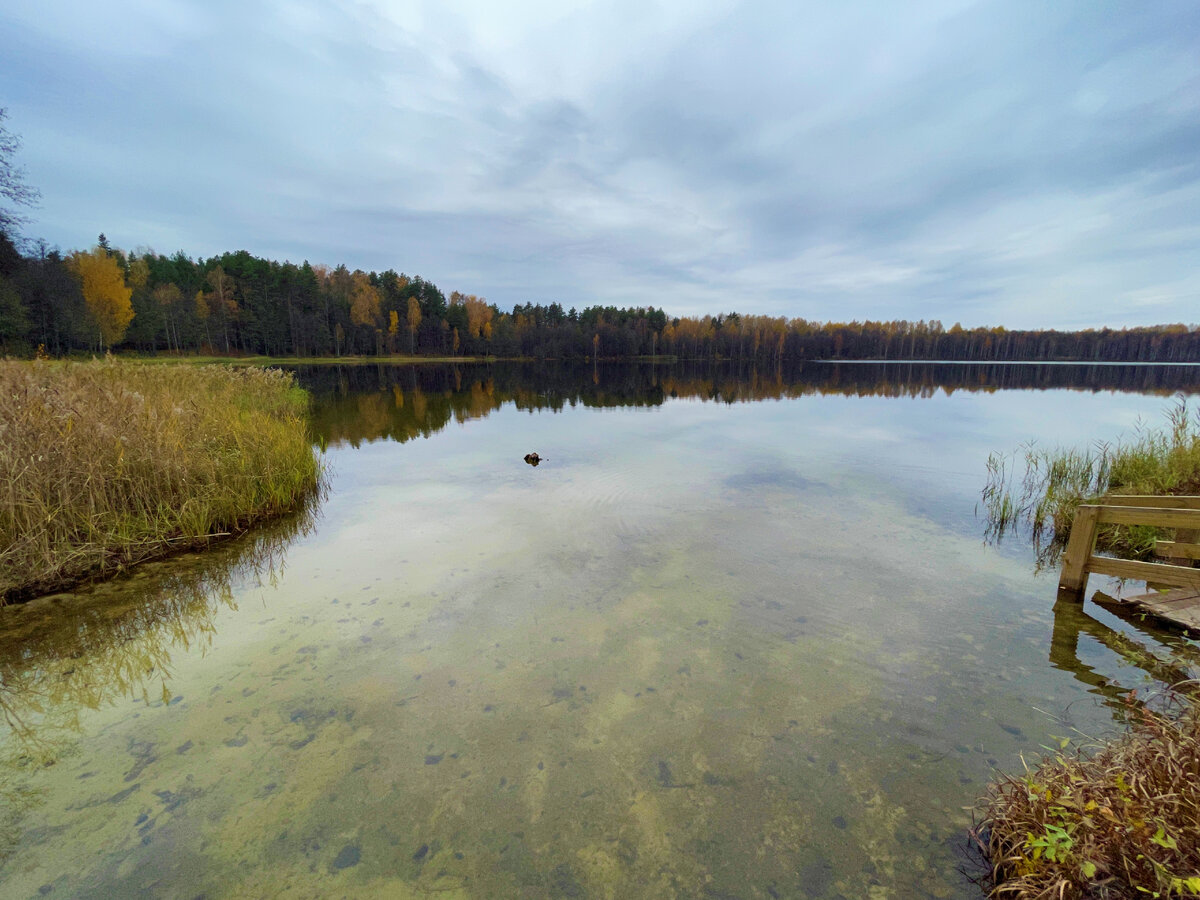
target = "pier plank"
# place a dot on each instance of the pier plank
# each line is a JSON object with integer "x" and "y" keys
{"x": 1178, "y": 576}
{"x": 1177, "y": 549}
{"x": 1179, "y": 607}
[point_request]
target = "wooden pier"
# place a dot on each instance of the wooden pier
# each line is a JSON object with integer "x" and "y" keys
{"x": 1180, "y": 608}
{"x": 1177, "y": 603}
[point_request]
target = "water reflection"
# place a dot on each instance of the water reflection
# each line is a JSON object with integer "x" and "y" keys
{"x": 1071, "y": 622}
{"x": 66, "y": 654}
{"x": 357, "y": 403}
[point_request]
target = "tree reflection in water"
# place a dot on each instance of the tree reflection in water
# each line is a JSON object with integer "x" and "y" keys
{"x": 88, "y": 649}
{"x": 361, "y": 403}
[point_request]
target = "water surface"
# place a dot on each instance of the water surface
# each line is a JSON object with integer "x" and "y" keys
{"x": 738, "y": 636}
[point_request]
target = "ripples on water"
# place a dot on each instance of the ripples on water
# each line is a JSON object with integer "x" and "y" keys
{"x": 738, "y": 636}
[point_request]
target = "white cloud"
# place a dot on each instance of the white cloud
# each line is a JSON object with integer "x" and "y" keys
{"x": 988, "y": 162}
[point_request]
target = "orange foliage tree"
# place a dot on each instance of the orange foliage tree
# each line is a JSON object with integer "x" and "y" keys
{"x": 104, "y": 290}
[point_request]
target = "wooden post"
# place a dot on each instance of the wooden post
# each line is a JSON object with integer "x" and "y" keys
{"x": 1184, "y": 536}
{"x": 1079, "y": 548}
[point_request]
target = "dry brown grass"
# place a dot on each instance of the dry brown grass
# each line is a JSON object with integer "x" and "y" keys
{"x": 104, "y": 464}
{"x": 1121, "y": 821}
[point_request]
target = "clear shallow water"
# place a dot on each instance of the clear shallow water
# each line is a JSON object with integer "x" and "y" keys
{"x": 708, "y": 648}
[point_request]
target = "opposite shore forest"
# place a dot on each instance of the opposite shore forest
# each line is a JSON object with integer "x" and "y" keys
{"x": 239, "y": 304}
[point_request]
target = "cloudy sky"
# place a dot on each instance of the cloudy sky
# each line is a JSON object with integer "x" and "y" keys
{"x": 1022, "y": 163}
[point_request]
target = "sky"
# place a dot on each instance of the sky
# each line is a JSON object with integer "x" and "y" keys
{"x": 1026, "y": 164}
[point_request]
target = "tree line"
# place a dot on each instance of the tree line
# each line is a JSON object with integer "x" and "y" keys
{"x": 240, "y": 304}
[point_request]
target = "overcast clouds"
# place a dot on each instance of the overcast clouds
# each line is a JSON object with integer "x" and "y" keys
{"x": 1026, "y": 164}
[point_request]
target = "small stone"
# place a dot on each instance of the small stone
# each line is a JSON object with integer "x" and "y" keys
{"x": 347, "y": 857}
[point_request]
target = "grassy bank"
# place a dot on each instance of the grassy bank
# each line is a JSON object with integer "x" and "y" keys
{"x": 1122, "y": 821}
{"x": 107, "y": 463}
{"x": 1052, "y": 483}
{"x": 303, "y": 360}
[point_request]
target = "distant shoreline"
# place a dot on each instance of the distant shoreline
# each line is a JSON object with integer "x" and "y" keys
{"x": 475, "y": 360}
{"x": 1006, "y": 362}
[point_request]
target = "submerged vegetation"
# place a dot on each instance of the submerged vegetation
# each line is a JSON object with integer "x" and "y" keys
{"x": 106, "y": 463}
{"x": 1123, "y": 821}
{"x": 116, "y": 639}
{"x": 1054, "y": 482}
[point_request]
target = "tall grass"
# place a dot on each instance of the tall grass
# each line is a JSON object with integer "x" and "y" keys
{"x": 104, "y": 464}
{"x": 1041, "y": 488}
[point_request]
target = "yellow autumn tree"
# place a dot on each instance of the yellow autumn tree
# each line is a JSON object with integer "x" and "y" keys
{"x": 139, "y": 273}
{"x": 414, "y": 322}
{"x": 104, "y": 290}
{"x": 364, "y": 301}
{"x": 218, "y": 303}
{"x": 479, "y": 314}
{"x": 393, "y": 329}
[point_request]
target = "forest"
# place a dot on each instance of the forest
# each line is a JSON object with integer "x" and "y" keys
{"x": 239, "y": 304}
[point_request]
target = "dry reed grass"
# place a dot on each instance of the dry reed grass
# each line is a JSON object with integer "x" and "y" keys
{"x": 105, "y": 464}
{"x": 1122, "y": 821}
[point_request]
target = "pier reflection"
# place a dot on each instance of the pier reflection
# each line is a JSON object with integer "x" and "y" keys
{"x": 1071, "y": 621}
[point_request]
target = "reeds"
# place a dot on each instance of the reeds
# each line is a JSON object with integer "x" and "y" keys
{"x": 1053, "y": 483}
{"x": 104, "y": 464}
{"x": 1123, "y": 821}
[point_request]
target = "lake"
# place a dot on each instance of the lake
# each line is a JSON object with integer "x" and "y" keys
{"x": 739, "y": 635}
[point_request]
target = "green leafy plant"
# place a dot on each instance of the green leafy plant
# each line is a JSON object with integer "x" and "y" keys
{"x": 1055, "y": 842}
